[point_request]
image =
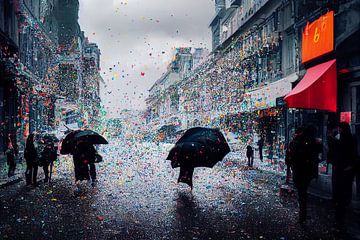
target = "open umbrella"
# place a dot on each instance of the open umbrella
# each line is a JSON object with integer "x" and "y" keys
{"x": 68, "y": 143}
{"x": 90, "y": 136}
{"x": 199, "y": 147}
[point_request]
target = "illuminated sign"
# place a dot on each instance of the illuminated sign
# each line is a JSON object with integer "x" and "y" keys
{"x": 318, "y": 37}
{"x": 345, "y": 117}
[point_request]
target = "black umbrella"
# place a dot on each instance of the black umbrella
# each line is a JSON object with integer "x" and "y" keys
{"x": 199, "y": 147}
{"x": 68, "y": 143}
{"x": 49, "y": 137}
{"x": 90, "y": 137}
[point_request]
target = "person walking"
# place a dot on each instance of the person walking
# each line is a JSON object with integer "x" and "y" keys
{"x": 47, "y": 157}
{"x": 250, "y": 156}
{"x": 342, "y": 155}
{"x": 84, "y": 157}
{"x": 11, "y": 157}
{"x": 261, "y": 145}
{"x": 31, "y": 157}
{"x": 303, "y": 158}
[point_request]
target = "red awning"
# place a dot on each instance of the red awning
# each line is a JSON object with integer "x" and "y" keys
{"x": 317, "y": 90}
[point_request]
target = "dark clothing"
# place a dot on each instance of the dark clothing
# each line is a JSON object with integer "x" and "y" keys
{"x": 302, "y": 157}
{"x": 261, "y": 145}
{"x": 186, "y": 174}
{"x": 302, "y": 188}
{"x": 31, "y": 174}
{"x": 84, "y": 155}
{"x": 32, "y": 162}
{"x": 342, "y": 155}
{"x": 48, "y": 156}
{"x": 11, "y": 162}
{"x": 250, "y": 155}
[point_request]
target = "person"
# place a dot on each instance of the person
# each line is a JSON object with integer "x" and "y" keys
{"x": 186, "y": 175}
{"x": 31, "y": 157}
{"x": 342, "y": 155}
{"x": 250, "y": 155}
{"x": 303, "y": 158}
{"x": 261, "y": 145}
{"x": 11, "y": 158}
{"x": 47, "y": 157}
{"x": 186, "y": 166}
{"x": 84, "y": 157}
{"x": 290, "y": 150}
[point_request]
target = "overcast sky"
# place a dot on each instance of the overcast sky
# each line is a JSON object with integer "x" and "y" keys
{"x": 137, "y": 39}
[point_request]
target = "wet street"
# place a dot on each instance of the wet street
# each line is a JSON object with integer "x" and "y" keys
{"x": 137, "y": 197}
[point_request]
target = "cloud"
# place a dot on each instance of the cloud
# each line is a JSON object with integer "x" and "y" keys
{"x": 138, "y": 36}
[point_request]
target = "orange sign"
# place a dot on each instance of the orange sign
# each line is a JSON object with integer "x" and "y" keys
{"x": 318, "y": 37}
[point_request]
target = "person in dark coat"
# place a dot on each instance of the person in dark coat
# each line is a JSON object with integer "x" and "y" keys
{"x": 84, "y": 157}
{"x": 11, "y": 158}
{"x": 250, "y": 155}
{"x": 31, "y": 157}
{"x": 303, "y": 158}
{"x": 186, "y": 166}
{"x": 48, "y": 156}
{"x": 342, "y": 155}
{"x": 186, "y": 175}
{"x": 261, "y": 145}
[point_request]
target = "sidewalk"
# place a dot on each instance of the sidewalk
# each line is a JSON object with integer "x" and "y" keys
{"x": 276, "y": 166}
{"x": 319, "y": 189}
{"x": 4, "y": 179}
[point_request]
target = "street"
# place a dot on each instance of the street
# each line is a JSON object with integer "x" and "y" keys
{"x": 137, "y": 197}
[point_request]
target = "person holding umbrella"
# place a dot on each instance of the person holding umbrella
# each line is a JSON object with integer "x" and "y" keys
{"x": 84, "y": 157}
{"x": 80, "y": 143}
{"x": 198, "y": 147}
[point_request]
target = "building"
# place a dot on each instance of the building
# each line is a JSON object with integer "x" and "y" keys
{"x": 91, "y": 81}
{"x": 46, "y": 74}
{"x": 9, "y": 49}
{"x": 79, "y": 78}
{"x": 164, "y": 101}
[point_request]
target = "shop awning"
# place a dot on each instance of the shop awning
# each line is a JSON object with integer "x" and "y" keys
{"x": 317, "y": 90}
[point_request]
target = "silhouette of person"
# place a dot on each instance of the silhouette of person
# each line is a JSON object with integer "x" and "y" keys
{"x": 250, "y": 155}
{"x": 303, "y": 159}
{"x": 342, "y": 155}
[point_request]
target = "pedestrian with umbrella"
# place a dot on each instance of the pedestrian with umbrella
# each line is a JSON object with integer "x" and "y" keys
{"x": 80, "y": 144}
{"x": 198, "y": 147}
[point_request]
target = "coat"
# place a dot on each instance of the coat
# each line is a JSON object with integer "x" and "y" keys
{"x": 303, "y": 158}
{"x": 30, "y": 154}
{"x": 48, "y": 155}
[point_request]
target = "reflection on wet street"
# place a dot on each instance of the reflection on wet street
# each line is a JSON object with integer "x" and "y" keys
{"x": 137, "y": 197}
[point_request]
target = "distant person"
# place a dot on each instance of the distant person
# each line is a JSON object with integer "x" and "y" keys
{"x": 250, "y": 155}
{"x": 261, "y": 145}
{"x": 11, "y": 157}
{"x": 31, "y": 158}
{"x": 303, "y": 158}
{"x": 342, "y": 155}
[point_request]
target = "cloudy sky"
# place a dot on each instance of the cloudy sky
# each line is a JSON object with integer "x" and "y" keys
{"x": 137, "y": 39}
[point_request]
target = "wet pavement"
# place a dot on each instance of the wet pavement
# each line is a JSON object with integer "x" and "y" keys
{"x": 137, "y": 197}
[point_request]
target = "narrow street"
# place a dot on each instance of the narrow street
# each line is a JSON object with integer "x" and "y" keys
{"x": 137, "y": 198}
